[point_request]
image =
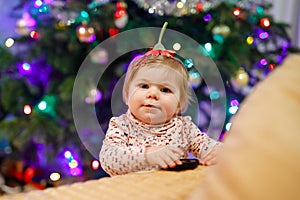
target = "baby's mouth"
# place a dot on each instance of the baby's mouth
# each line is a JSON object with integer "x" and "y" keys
{"x": 150, "y": 106}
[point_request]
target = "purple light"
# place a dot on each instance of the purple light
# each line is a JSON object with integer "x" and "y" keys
{"x": 263, "y": 35}
{"x": 207, "y": 17}
{"x": 24, "y": 68}
{"x": 280, "y": 59}
{"x": 38, "y": 3}
{"x": 76, "y": 171}
{"x": 285, "y": 45}
{"x": 234, "y": 102}
{"x": 94, "y": 96}
{"x": 263, "y": 62}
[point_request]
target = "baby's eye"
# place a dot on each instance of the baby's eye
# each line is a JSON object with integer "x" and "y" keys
{"x": 165, "y": 90}
{"x": 143, "y": 85}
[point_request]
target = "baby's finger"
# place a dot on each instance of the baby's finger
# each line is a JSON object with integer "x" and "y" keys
{"x": 175, "y": 158}
{"x": 169, "y": 161}
{"x": 204, "y": 160}
{"x": 211, "y": 161}
{"x": 162, "y": 163}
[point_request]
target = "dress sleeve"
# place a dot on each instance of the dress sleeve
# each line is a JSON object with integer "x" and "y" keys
{"x": 200, "y": 144}
{"x": 116, "y": 156}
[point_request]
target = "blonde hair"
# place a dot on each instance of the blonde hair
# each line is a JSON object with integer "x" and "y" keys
{"x": 174, "y": 63}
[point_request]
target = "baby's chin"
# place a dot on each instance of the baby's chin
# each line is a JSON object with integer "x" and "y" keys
{"x": 154, "y": 121}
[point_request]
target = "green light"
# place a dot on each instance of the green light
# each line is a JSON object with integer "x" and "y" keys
{"x": 260, "y": 10}
{"x": 214, "y": 95}
{"x": 84, "y": 14}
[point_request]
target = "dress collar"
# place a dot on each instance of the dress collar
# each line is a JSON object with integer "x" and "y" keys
{"x": 154, "y": 129}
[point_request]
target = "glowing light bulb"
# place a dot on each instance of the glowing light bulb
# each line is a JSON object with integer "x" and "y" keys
{"x": 68, "y": 154}
{"x": 265, "y": 22}
{"x": 42, "y": 105}
{"x": 27, "y": 109}
{"x": 208, "y": 47}
{"x": 236, "y": 11}
{"x": 73, "y": 164}
{"x": 233, "y": 109}
{"x": 177, "y": 46}
{"x": 95, "y": 164}
{"x": 250, "y": 40}
{"x": 227, "y": 126}
{"x": 263, "y": 35}
{"x": 9, "y": 42}
{"x": 38, "y": 3}
{"x": 234, "y": 102}
{"x": 179, "y": 5}
{"x": 54, "y": 176}
{"x": 26, "y": 67}
{"x": 34, "y": 35}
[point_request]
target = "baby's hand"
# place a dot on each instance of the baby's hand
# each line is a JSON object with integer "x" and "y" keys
{"x": 164, "y": 156}
{"x": 211, "y": 158}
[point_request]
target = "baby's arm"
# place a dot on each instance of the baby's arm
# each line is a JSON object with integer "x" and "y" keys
{"x": 211, "y": 157}
{"x": 116, "y": 156}
{"x": 201, "y": 145}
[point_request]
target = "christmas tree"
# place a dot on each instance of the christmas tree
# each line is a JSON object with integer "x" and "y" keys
{"x": 39, "y": 68}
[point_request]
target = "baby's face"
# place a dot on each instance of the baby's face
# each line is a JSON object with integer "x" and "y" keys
{"x": 154, "y": 94}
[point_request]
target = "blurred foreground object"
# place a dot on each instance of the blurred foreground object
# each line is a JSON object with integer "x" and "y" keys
{"x": 261, "y": 155}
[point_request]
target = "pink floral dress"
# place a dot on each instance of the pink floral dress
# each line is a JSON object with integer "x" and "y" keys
{"x": 123, "y": 149}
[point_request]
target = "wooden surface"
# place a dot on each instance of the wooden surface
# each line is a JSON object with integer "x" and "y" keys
{"x": 144, "y": 185}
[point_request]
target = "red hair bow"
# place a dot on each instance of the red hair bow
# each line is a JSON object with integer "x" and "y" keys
{"x": 168, "y": 53}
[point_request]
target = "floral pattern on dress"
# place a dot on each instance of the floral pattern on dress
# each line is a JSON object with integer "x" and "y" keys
{"x": 123, "y": 149}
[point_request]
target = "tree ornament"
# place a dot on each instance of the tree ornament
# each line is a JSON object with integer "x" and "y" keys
{"x": 25, "y": 25}
{"x": 120, "y": 15}
{"x": 85, "y": 33}
{"x": 241, "y": 78}
{"x": 121, "y": 5}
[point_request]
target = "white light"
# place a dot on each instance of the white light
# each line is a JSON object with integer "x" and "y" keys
{"x": 27, "y": 109}
{"x": 233, "y": 109}
{"x": 54, "y": 176}
{"x": 42, "y": 105}
{"x": 177, "y": 46}
{"x": 95, "y": 164}
{"x": 227, "y": 126}
{"x": 208, "y": 47}
{"x": 179, "y": 5}
{"x": 151, "y": 10}
{"x": 73, "y": 164}
{"x": 9, "y": 42}
{"x": 67, "y": 154}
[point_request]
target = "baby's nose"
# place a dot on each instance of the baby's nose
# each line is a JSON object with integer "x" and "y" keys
{"x": 153, "y": 93}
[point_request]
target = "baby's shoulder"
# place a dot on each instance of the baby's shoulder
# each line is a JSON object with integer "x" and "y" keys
{"x": 185, "y": 119}
{"x": 120, "y": 120}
